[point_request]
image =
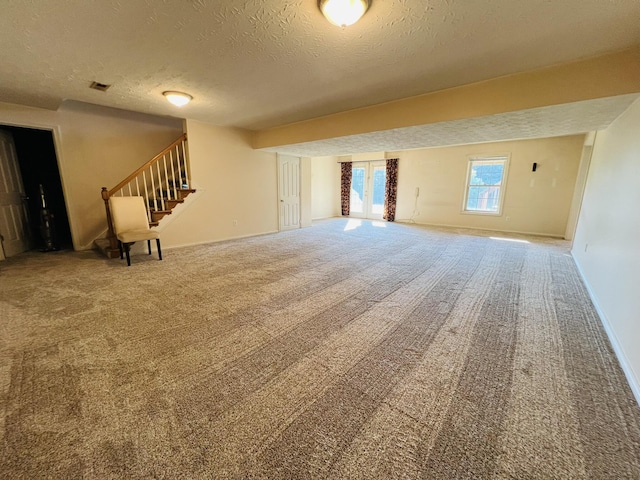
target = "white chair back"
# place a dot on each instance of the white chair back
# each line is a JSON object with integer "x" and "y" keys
{"x": 128, "y": 213}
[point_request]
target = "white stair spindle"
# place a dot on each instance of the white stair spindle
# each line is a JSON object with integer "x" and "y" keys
{"x": 179, "y": 169}
{"x": 146, "y": 194}
{"x": 153, "y": 189}
{"x": 173, "y": 175}
{"x": 162, "y": 201}
{"x": 184, "y": 159}
{"x": 166, "y": 176}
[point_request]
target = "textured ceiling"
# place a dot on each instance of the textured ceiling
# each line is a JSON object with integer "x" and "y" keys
{"x": 558, "y": 120}
{"x": 262, "y": 63}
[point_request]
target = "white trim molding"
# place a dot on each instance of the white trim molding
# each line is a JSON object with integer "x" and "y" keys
{"x": 615, "y": 344}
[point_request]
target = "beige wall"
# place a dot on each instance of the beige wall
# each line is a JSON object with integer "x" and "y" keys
{"x": 606, "y": 246}
{"x": 96, "y": 147}
{"x": 604, "y": 76}
{"x": 234, "y": 184}
{"x": 325, "y": 187}
{"x": 305, "y": 192}
{"x": 536, "y": 203}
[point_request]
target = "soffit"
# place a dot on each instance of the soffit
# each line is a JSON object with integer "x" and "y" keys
{"x": 552, "y": 121}
{"x": 261, "y": 63}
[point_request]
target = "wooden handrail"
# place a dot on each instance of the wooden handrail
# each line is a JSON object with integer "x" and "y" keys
{"x": 150, "y": 162}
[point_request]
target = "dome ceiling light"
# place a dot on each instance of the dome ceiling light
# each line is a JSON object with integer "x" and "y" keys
{"x": 179, "y": 99}
{"x": 343, "y": 12}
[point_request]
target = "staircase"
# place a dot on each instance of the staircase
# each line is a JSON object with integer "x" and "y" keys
{"x": 165, "y": 200}
{"x": 164, "y": 182}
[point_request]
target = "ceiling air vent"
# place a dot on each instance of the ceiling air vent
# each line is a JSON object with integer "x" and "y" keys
{"x": 99, "y": 86}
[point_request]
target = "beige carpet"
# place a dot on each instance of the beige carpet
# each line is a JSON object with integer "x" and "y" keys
{"x": 339, "y": 351}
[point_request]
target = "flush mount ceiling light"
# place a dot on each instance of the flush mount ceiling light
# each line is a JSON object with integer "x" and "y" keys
{"x": 343, "y": 12}
{"x": 179, "y": 99}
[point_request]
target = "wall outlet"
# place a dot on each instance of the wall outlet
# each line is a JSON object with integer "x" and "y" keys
{"x": 235, "y": 223}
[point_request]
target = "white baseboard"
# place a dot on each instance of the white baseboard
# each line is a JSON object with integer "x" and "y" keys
{"x": 467, "y": 227}
{"x": 613, "y": 339}
{"x": 218, "y": 240}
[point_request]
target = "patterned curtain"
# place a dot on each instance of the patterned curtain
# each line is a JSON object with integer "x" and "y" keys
{"x": 391, "y": 190}
{"x": 345, "y": 188}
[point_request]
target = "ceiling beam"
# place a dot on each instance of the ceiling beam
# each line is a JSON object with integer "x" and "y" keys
{"x": 597, "y": 77}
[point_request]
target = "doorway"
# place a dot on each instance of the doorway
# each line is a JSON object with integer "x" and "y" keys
{"x": 37, "y": 164}
{"x": 368, "y": 183}
{"x": 15, "y": 237}
{"x": 289, "y": 192}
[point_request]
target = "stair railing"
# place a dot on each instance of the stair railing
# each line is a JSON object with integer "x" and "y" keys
{"x": 158, "y": 181}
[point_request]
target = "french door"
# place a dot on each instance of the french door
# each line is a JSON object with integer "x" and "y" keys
{"x": 368, "y": 182}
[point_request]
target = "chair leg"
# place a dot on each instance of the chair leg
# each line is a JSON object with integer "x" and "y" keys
{"x": 120, "y": 247}
{"x": 149, "y": 246}
{"x": 159, "y": 250}
{"x": 127, "y": 247}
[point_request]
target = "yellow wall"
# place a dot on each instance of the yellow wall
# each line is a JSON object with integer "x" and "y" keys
{"x": 233, "y": 182}
{"x": 606, "y": 246}
{"x": 96, "y": 147}
{"x": 325, "y": 187}
{"x": 604, "y": 76}
{"x": 536, "y": 203}
{"x": 305, "y": 192}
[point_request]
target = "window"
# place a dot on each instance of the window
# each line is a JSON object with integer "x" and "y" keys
{"x": 485, "y": 185}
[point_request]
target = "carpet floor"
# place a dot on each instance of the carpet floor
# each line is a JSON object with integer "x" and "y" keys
{"x": 351, "y": 349}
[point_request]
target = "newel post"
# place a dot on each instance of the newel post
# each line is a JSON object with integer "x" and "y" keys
{"x": 113, "y": 243}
